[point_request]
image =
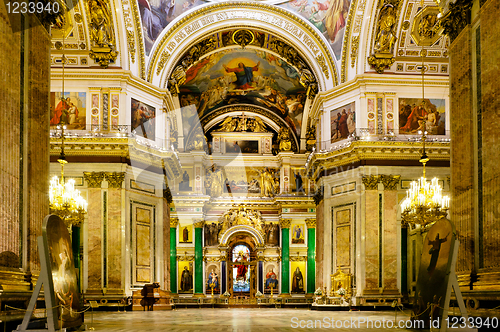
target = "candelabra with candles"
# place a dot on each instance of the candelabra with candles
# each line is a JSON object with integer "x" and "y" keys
{"x": 64, "y": 200}
{"x": 424, "y": 203}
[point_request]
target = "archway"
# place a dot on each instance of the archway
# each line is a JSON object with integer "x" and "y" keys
{"x": 242, "y": 265}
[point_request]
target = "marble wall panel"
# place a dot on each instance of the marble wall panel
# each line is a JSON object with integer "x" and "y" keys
{"x": 94, "y": 239}
{"x": 114, "y": 238}
{"x": 371, "y": 240}
{"x": 390, "y": 241}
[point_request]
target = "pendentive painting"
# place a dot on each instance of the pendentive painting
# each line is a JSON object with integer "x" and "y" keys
{"x": 328, "y": 16}
{"x": 143, "y": 119}
{"x": 343, "y": 122}
{"x": 68, "y": 110}
{"x": 413, "y": 112}
{"x": 249, "y": 76}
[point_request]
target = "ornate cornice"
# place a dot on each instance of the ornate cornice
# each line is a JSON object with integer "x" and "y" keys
{"x": 319, "y": 195}
{"x": 298, "y": 258}
{"x": 94, "y": 179}
{"x": 285, "y": 223}
{"x": 115, "y": 179}
{"x": 174, "y": 222}
{"x": 311, "y": 222}
{"x": 390, "y": 182}
{"x": 198, "y": 223}
{"x": 371, "y": 181}
{"x": 167, "y": 194}
{"x": 457, "y": 18}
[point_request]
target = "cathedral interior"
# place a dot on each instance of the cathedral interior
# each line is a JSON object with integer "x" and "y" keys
{"x": 247, "y": 152}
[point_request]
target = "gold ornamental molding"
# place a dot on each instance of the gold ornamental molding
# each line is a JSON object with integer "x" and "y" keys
{"x": 207, "y": 259}
{"x": 235, "y": 12}
{"x": 298, "y": 258}
{"x": 174, "y": 222}
{"x": 94, "y": 179}
{"x": 185, "y": 258}
{"x": 390, "y": 182}
{"x": 115, "y": 179}
{"x": 371, "y": 181}
{"x": 285, "y": 223}
{"x": 311, "y": 222}
{"x": 382, "y": 150}
{"x": 102, "y": 32}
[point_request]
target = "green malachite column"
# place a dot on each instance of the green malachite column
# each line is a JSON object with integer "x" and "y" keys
{"x": 311, "y": 255}
{"x": 198, "y": 257}
{"x": 173, "y": 254}
{"x": 285, "y": 256}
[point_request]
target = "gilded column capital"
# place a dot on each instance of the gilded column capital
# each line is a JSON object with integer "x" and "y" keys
{"x": 174, "y": 222}
{"x": 198, "y": 223}
{"x": 457, "y": 18}
{"x": 390, "y": 182}
{"x": 311, "y": 222}
{"x": 115, "y": 179}
{"x": 371, "y": 182}
{"x": 94, "y": 179}
{"x": 285, "y": 223}
{"x": 167, "y": 194}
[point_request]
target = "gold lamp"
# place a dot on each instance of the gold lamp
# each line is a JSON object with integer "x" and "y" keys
{"x": 64, "y": 200}
{"x": 424, "y": 203}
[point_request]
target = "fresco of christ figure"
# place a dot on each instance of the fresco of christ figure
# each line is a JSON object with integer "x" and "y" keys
{"x": 244, "y": 75}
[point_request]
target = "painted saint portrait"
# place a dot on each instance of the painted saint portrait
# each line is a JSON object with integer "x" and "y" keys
{"x": 68, "y": 110}
{"x": 343, "y": 122}
{"x": 434, "y": 268}
{"x": 413, "y": 112}
{"x": 143, "y": 119}
{"x": 185, "y": 277}
{"x": 298, "y": 234}
{"x": 298, "y": 280}
{"x": 212, "y": 279}
{"x": 271, "y": 280}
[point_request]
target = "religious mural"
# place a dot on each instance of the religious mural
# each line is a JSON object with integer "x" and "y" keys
{"x": 69, "y": 110}
{"x": 271, "y": 280}
{"x": 328, "y": 16}
{"x": 186, "y": 234}
{"x": 241, "y": 272}
{"x": 157, "y": 14}
{"x": 143, "y": 119}
{"x": 343, "y": 122}
{"x": 298, "y": 236}
{"x": 212, "y": 278}
{"x": 242, "y": 180}
{"x": 63, "y": 273}
{"x": 413, "y": 112}
{"x": 240, "y": 146}
{"x": 298, "y": 280}
{"x": 239, "y": 76}
{"x": 185, "y": 276}
{"x": 434, "y": 269}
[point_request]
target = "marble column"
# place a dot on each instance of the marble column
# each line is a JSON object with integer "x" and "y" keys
{"x": 198, "y": 256}
{"x": 285, "y": 256}
{"x": 371, "y": 234}
{"x": 390, "y": 232}
{"x": 320, "y": 247}
{"x": 173, "y": 254}
{"x": 311, "y": 253}
{"x": 94, "y": 257}
{"x": 114, "y": 233}
{"x": 167, "y": 199}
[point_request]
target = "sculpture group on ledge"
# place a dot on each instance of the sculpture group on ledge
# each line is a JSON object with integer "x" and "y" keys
{"x": 242, "y": 123}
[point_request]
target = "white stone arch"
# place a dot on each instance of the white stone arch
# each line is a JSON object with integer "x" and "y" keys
{"x": 226, "y": 236}
{"x": 208, "y": 19}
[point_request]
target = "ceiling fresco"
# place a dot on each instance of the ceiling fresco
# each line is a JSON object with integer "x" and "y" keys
{"x": 237, "y": 76}
{"x": 329, "y": 17}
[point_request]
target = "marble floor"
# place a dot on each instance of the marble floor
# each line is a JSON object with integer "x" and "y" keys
{"x": 258, "y": 319}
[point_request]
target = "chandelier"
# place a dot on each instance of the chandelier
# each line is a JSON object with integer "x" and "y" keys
{"x": 64, "y": 200}
{"x": 424, "y": 203}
